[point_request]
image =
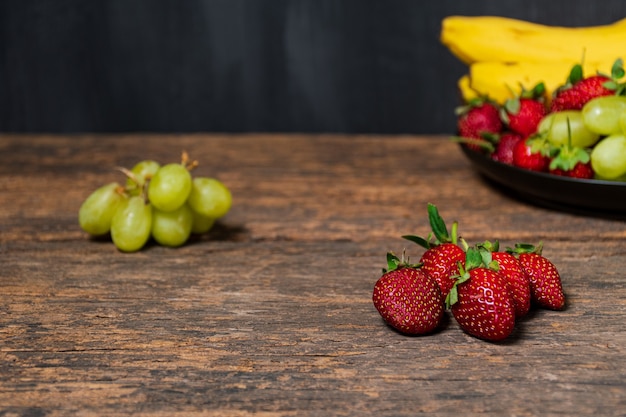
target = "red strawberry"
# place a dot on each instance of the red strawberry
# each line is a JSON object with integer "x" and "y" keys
{"x": 504, "y": 149}
{"x": 545, "y": 282}
{"x": 478, "y": 120}
{"x": 572, "y": 162}
{"x": 525, "y": 116}
{"x": 441, "y": 263}
{"x": 575, "y": 97}
{"x": 511, "y": 270}
{"x": 481, "y": 303}
{"x": 522, "y": 114}
{"x": 519, "y": 284}
{"x": 532, "y": 154}
{"x": 580, "y": 171}
{"x": 407, "y": 298}
{"x": 441, "y": 258}
{"x": 578, "y": 90}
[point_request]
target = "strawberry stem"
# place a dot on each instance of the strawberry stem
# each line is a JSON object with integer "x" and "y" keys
{"x": 395, "y": 263}
{"x": 526, "y": 248}
{"x": 439, "y": 230}
{"x": 485, "y": 143}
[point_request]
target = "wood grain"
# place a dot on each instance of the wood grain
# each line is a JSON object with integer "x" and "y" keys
{"x": 270, "y": 314}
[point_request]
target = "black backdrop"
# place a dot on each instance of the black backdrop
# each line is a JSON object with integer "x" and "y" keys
{"x": 358, "y": 66}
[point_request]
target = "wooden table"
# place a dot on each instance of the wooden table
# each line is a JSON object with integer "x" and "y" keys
{"x": 270, "y": 314}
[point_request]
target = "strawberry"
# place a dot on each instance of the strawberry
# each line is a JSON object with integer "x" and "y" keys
{"x": 532, "y": 154}
{"x": 571, "y": 161}
{"x": 441, "y": 262}
{"x": 579, "y": 171}
{"x": 578, "y": 90}
{"x": 525, "y": 116}
{"x": 504, "y": 149}
{"x": 519, "y": 283}
{"x": 545, "y": 282}
{"x": 576, "y": 96}
{"x": 522, "y": 114}
{"x": 511, "y": 270}
{"x": 480, "y": 301}
{"x": 478, "y": 120}
{"x": 442, "y": 256}
{"x": 407, "y": 298}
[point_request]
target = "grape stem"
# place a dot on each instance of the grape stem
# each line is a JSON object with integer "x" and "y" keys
{"x": 135, "y": 180}
{"x": 120, "y": 190}
{"x": 190, "y": 165}
{"x": 129, "y": 174}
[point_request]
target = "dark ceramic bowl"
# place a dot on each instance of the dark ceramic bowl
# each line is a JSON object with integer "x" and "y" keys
{"x": 585, "y": 196}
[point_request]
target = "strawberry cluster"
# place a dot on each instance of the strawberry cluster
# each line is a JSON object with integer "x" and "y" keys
{"x": 486, "y": 289}
{"x": 510, "y": 132}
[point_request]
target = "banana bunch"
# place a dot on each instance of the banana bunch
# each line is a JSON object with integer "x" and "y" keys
{"x": 505, "y": 54}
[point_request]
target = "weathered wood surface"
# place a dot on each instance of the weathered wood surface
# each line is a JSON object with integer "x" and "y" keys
{"x": 271, "y": 313}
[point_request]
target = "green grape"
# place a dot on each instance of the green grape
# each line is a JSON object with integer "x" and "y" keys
{"x": 131, "y": 224}
{"x": 555, "y": 126}
{"x": 172, "y": 228}
{"x": 143, "y": 170}
{"x": 169, "y": 187}
{"x": 622, "y": 121}
{"x": 96, "y": 212}
{"x": 210, "y": 197}
{"x": 608, "y": 157}
{"x": 201, "y": 224}
{"x": 601, "y": 114}
{"x": 618, "y": 179}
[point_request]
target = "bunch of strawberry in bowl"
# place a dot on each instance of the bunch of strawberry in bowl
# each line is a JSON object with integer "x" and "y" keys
{"x": 578, "y": 132}
{"x": 486, "y": 289}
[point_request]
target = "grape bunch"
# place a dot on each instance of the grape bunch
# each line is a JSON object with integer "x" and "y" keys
{"x": 162, "y": 202}
{"x": 599, "y": 128}
{"x": 606, "y": 116}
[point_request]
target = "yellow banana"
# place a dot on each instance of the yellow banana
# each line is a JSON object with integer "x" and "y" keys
{"x": 465, "y": 88}
{"x": 500, "y": 81}
{"x": 492, "y": 38}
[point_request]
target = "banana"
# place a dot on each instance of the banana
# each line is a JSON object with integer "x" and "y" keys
{"x": 501, "y": 81}
{"x": 505, "y": 54}
{"x": 493, "y": 39}
{"x": 465, "y": 88}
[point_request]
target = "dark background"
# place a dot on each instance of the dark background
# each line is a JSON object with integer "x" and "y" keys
{"x": 356, "y": 66}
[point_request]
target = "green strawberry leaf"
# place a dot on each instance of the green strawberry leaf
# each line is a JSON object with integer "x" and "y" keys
{"x": 526, "y": 248}
{"x": 490, "y": 246}
{"x": 486, "y": 257}
{"x": 439, "y": 231}
{"x": 617, "y": 71}
{"x": 453, "y": 295}
{"x": 538, "y": 90}
{"x": 437, "y": 224}
{"x": 392, "y": 262}
{"x": 473, "y": 259}
{"x": 472, "y": 103}
{"x": 567, "y": 158}
{"x": 452, "y": 298}
{"x": 575, "y": 75}
{"x": 512, "y": 105}
{"x": 539, "y": 143}
{"x": 419, "y": 240}
{"x": 486, "y": 145}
